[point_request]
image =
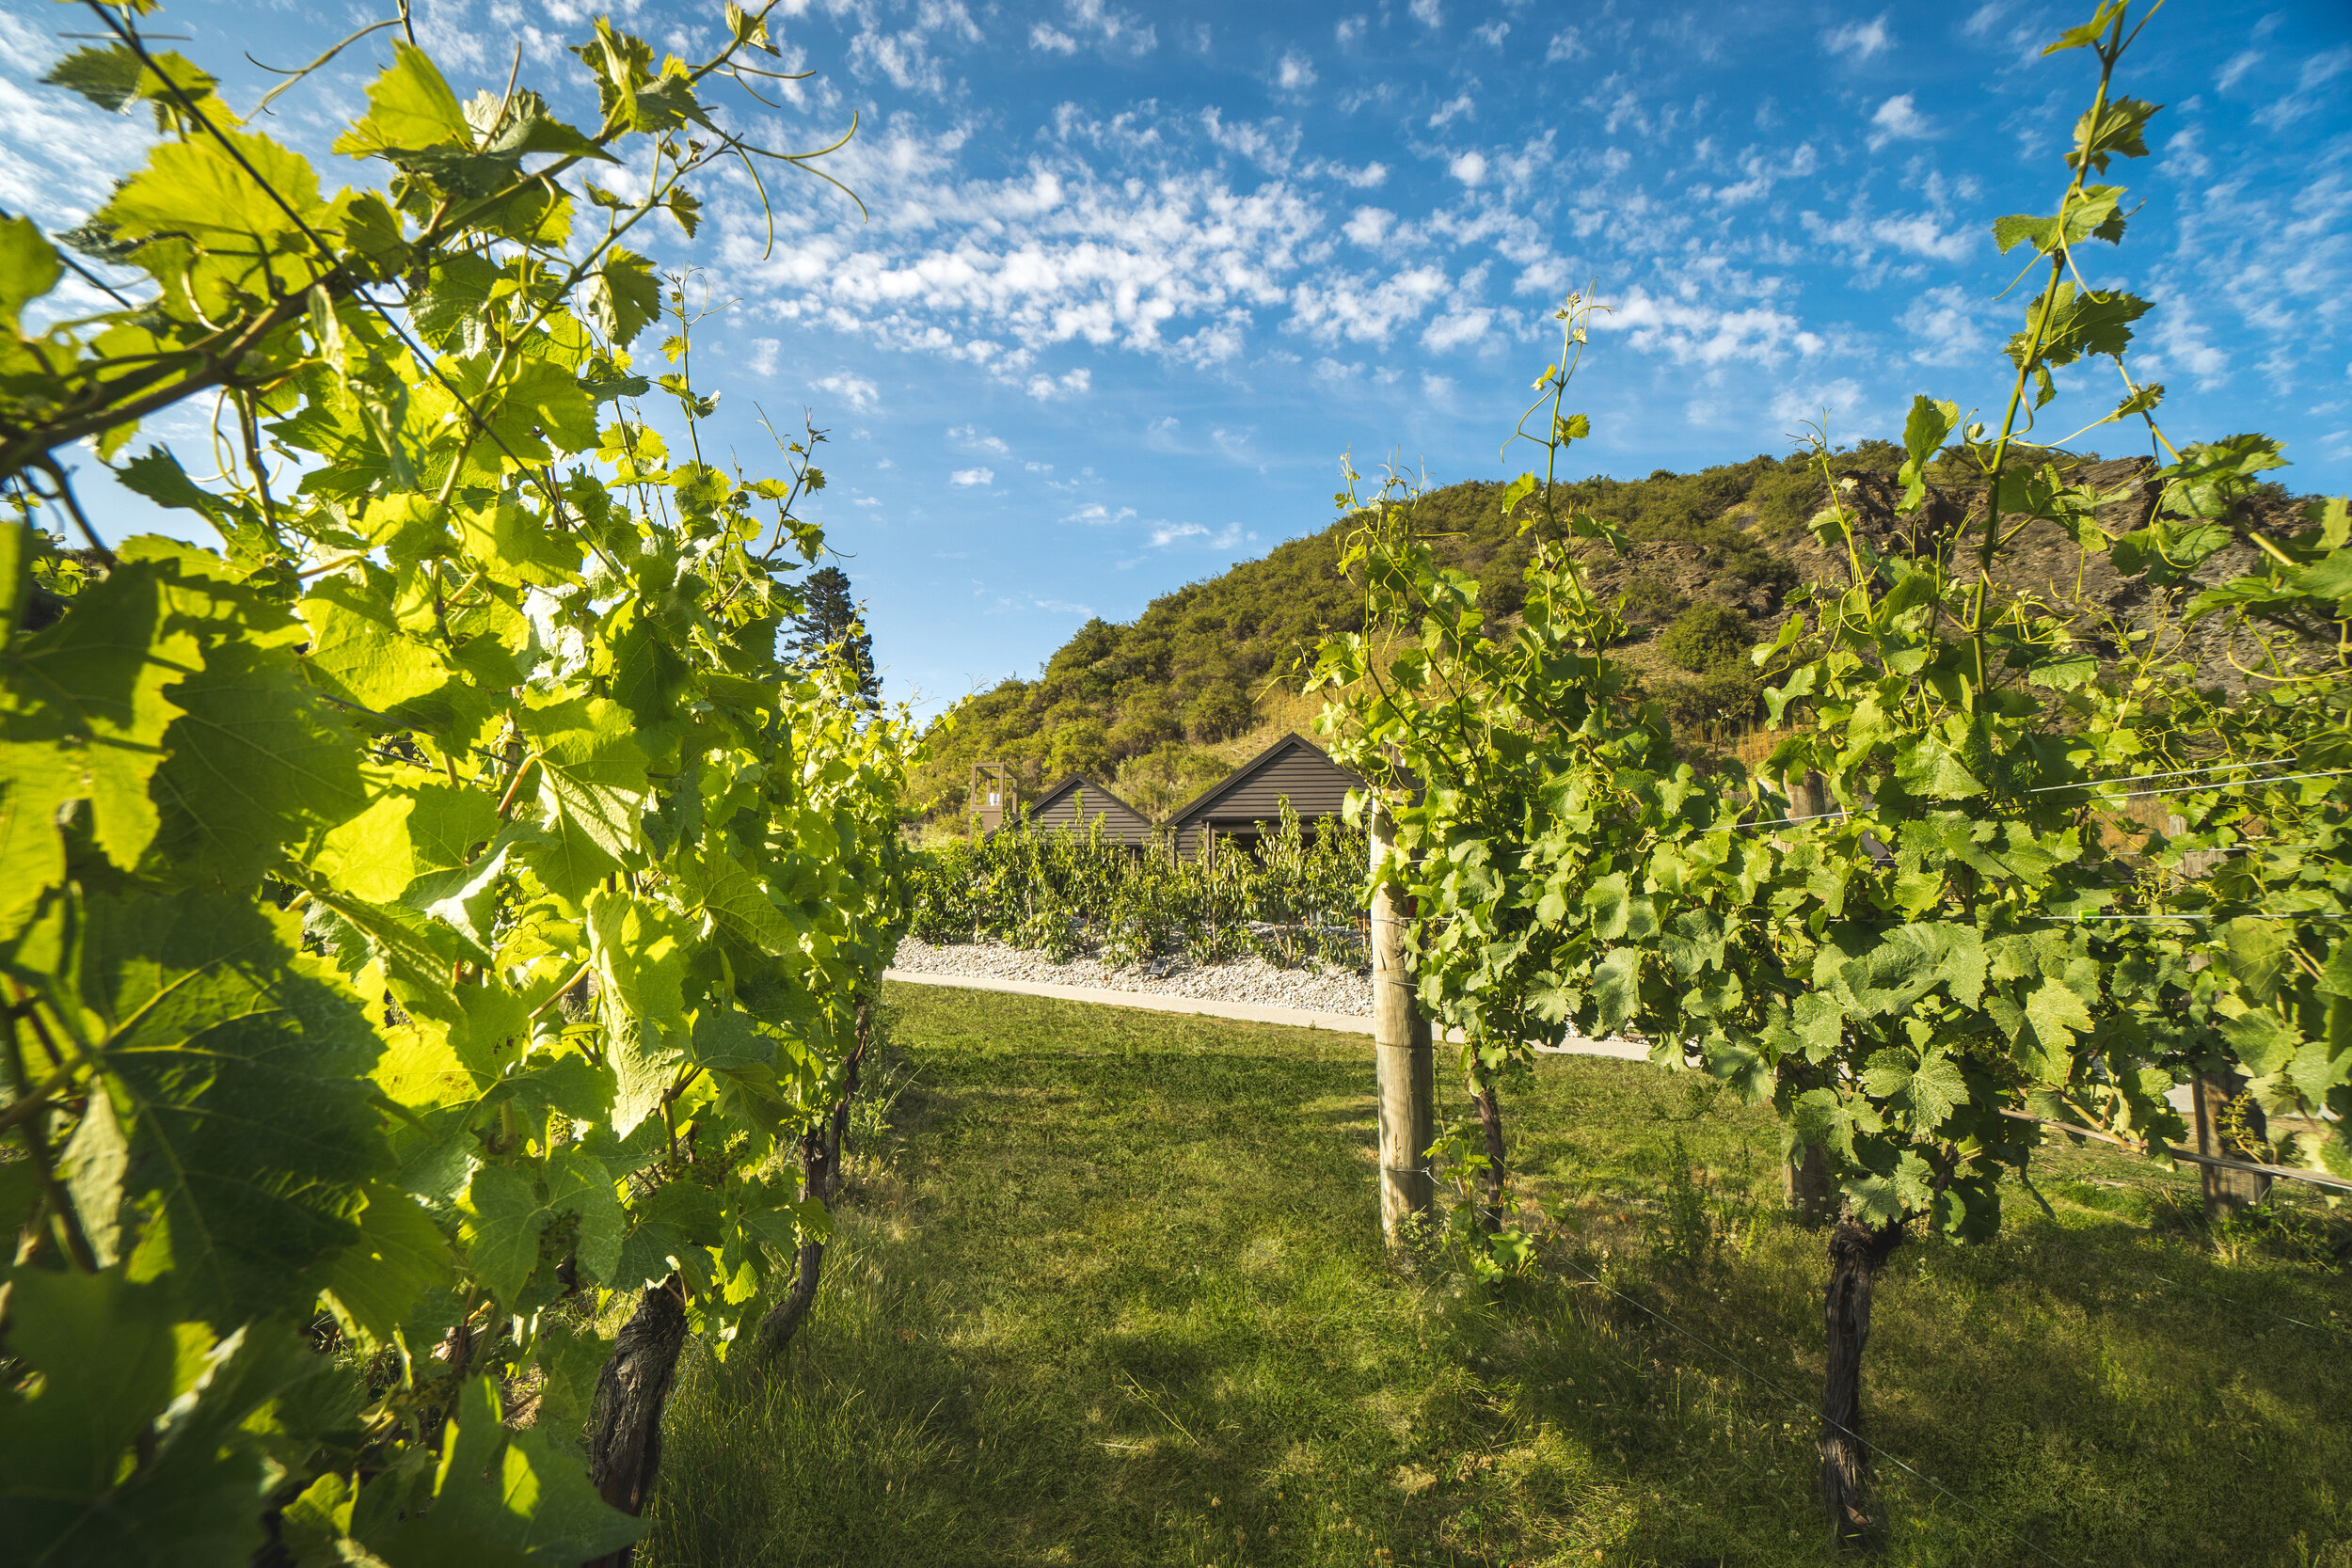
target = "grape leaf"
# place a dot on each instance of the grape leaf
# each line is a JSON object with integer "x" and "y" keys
{"x": 409, "y": 106}
{"x": 241, "y": 1076}
{"x": 84, "y": 711}
{"x": 29, "y": 268}
{"x": 400, "y": 1254}
{"x": 500, "y": 1230}
{"x": 591, "y": 789}
{"x": 499, "y": 1498}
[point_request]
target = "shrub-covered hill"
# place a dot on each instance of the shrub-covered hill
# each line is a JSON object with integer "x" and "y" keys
{"x": 1164, "y": 705}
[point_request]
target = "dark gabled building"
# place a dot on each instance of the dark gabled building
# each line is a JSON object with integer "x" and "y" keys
{"x": 1078, "y": 801}
{"x": 1247, "y": 803}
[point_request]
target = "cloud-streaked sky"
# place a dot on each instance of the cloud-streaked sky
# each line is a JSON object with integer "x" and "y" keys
{"x": 1136, "y": 279}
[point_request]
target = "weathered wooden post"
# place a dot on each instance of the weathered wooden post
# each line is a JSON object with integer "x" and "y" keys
{"x": 1400, "y": 1047}
{"x": 2227, "y": 1191}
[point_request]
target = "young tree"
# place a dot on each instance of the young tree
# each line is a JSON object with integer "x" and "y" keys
{"x": 832, "y": 627}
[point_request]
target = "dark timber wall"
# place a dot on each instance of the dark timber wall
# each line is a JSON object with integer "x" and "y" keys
{"x": 1059, "y": 808}
{"x": 1247, "y": 802}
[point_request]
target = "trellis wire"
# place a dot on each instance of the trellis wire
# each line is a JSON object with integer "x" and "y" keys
{"x": 2287, "y": 1172}
{"x": 2126, "y": 795}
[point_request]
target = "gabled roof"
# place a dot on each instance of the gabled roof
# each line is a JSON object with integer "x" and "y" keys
{"x": 1119, "y": 818}
{"x": 1200, "y": 805}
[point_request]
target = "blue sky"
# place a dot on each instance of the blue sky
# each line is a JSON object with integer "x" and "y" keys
{"x": 1135, "y": 280}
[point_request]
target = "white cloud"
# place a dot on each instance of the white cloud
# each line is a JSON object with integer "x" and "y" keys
{"x": 855, "y": 390}
{"x": 1944, "y": 329}
{"x": 1919, "y": 234}
{"x": 1166, "y": 534}
{"x": 1469, "y": 168}
{"x": 1212, "y": 344}
{"x": 1691, "y": 331}
{"x": 1296, "y": 73}
{"x": 1492, "y": 34}
{"x": 1898, "y": 118}
{"x": 1094, "y": 21}
{"x": 1566, "y": 45}
{"x": 1761, "y": 173}
{"x": 2183, "y": 156}
{"x": 2235, "y": 69}
{"x": 1270, "y": 144}
{"x": 971, "y": 435}
{"x": 1465, "y": 104}
{"x": 2307, "y": 99}
{"x": 1046, "y": 389}
{"x": 1350, "y": 28}
{"x": 991, "y": 272}
{"x": 973, "y": 476}
{"x": 2177, "y": 339}
{"x": 905, "y": 57}
{"x": 1857, "y": 238}
{"x": 1096, "y": 514}
{"x": 1858, "y": 40}
{"x": 1823, "y": 404}
{"x": 60, "y": 156}
{"x": 1361, "y": 179}
{"x": 761, "y": 361}
{"x": 1369, "y": 226}
{"x": 1465, "y": 325}
{"x": 1426, "y": 12}
{"x": 1365, "y": 307}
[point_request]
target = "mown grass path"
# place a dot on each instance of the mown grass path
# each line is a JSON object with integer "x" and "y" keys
{"x": 1109, "y": 1290}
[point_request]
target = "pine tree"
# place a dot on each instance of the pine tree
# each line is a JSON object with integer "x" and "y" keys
{"x": 831, "y": 626}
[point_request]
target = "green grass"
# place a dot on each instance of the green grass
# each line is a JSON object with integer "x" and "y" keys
{"x": 1108, "y": 1289}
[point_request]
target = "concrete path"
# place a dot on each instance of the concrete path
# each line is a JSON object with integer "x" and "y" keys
{"x": 1249, "y": 1012}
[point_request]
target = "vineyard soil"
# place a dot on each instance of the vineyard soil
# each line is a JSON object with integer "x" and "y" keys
{"x": 1108, "y": 1288}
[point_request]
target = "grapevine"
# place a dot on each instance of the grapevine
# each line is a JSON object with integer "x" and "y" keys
{"x": 1924, "y": 920}
{"x": 436, "y": 912}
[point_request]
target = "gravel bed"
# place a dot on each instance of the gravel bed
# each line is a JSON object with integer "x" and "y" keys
{"x": 1251, "y": 979}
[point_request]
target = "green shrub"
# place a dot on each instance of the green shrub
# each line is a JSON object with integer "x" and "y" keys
{"x": 1785, "y": 501}
{"x": 1079, "y": 747}
{"x": 1761, "y": 569}
{"x": 1650, "y": 599}
{"x": 1721, "y": 702}
{"x": 1219, "y": 713}
{"x": 1146, "y": 727}
{"x": 1707, "y": 634}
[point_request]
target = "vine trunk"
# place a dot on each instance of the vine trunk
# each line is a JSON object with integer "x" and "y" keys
{"x": 625, "y": 1447}
{"x": 1855, "y": 1253}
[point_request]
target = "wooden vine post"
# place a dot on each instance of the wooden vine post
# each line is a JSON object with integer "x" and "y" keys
{"x": 2227, "y": 1191}
{"x": 1400, "y": 1045}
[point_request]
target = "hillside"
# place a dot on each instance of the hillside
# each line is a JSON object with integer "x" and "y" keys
{"x": 1208, "y": 674}
{"x": 1167, "y": 703}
